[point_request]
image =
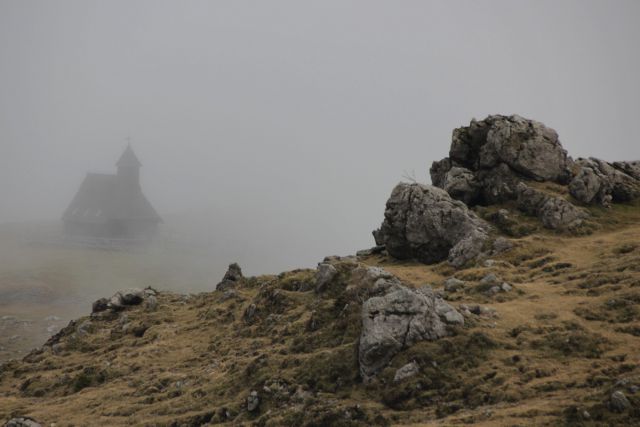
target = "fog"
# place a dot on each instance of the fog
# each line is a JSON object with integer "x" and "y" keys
{"x": 273, "y": 132}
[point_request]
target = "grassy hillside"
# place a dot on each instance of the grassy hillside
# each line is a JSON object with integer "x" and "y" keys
{"x": 549, "y": 352}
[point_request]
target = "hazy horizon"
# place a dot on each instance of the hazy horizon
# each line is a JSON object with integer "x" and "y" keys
{"x": 288, "y": 123}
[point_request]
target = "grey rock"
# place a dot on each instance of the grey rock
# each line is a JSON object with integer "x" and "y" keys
{"x": 396, "y": 321}
{"x": 449, "y": 314}
{"x": 22, "y": 422}
{"x": 324, "y": 275}
{"x": 57, "y": 348}
{"x": 99, "y": 305}
{"x": 253, "y": 401}
{"x": 497, "y": 184}
{"x": 372, "y": 251}
{"x": 496, "y": 154}
{"x": 461, "y": 184}
{"x": 600, "y": 182}
{"x": 231, "y": 277}
{"x": 630, "y": 168}
{"x": 250, "y": 314}
{"x": 490, "y": 279}
{"x": 151, "y": 303}
{"x": 126, "y": 297}
{"x": 554, "y": 212}
{"x": 505, "y": 287}
{"x": 526, "y": 146}
{"x": 453, "y": 285}
{"x": 407, "y": 371}
{"x": 84, "y": 328}
{"x": 501, "y": 245}
{"x": 479, "y": 310}
{"x": 618, "y": 402}
{"x": 425, "y": 223}
{"x": 559, "y": 214}
{"x": 301, "y": 395}
{"x": 133, "y": 296}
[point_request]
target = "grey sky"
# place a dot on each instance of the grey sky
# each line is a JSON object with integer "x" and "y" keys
{"x": 295, "y": 117}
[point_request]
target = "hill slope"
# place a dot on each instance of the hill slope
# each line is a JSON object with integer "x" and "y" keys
{"x": 550, "y": 351}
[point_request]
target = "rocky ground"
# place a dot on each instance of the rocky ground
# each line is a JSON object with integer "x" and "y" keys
{"x": 510, "y": 301}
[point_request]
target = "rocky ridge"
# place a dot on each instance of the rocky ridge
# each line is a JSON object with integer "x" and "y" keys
{"x": 492, "y": 162}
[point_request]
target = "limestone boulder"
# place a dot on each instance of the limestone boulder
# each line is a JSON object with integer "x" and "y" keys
{"x": 424, "y": 223}
{"x": 399, "y": 319}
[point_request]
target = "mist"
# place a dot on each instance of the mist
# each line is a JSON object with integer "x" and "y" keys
{"x": 271, "y": 133}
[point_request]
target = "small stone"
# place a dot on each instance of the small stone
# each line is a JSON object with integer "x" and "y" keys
{"x": 475, "y": 309}
{"x": 619, "y": 402}
{"x": 490, "y": 279}
{"x": 301, "y": 395}
{"x": 253, "y": 401}
{"x": 453, "y": 285}
{"x": 151, "y": 303}
{"x": 501, "y": 245}
{"x": 493, "y": 290}
{"x": 505, "y": 287}
{"x": 489, "y": 263}
{"x": 100, "y": 305}
{"x": 407, "y": 371}
{"x": 84, "y": 328}
{"x": 22, "y": 422}
{"x": 372, "y": 251}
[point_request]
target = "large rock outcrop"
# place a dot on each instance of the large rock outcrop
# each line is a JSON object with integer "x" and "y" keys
{"x": 488, "y": 158}
{"x": 399, "y": 319}
{"x": 424, "y": 223}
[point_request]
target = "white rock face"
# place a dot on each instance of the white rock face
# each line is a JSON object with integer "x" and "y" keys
{"x": 399, "y": 319}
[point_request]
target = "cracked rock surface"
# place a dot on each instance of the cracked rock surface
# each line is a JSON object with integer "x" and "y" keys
{"x": 424, "y": 223}
{"x": 399, "y": 319}
{"x": 493, "y": 155}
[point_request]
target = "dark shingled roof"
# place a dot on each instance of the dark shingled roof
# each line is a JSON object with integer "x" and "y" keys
{"x": 103, "y": 197}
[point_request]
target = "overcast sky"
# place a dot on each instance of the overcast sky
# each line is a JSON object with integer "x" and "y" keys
{"x": 296, "y": 117}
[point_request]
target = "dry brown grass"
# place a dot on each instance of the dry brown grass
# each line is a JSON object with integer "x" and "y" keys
{"x": 200, "y": 356}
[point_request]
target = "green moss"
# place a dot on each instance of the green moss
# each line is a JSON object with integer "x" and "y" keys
{"x": 87, "y": 378}
{"x": 449, "y": 374}
{"x": 330, "y": 371}
{"x": 573, "y": 343}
